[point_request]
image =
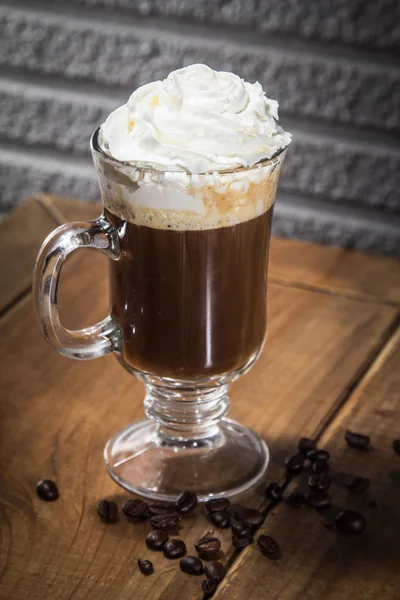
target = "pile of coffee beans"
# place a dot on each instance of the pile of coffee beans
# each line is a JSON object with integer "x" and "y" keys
{"x": 165, "y": 517}
{"x": 316, "y": 462}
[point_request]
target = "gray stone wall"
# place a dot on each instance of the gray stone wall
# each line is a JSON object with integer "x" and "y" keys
{"x": 334, "y": 66}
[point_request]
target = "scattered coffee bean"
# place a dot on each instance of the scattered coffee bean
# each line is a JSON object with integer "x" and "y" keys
{"x": 372, "y": 504}
{"x": 214, "y": 570}
{"x": 217, "y": 505}
{"x": 295, "y": 464}
{"x": 269, "y": 547}
{"x": 242, "y": 542}
{"x": 273, "y": 491}
{"x": 174, "y": 548}
{"x": 318, "y": 482}
{"x": 240, "y": 528}
{"x": 145, "y": 567}
{"x": 186, "y": 503}
{"x": 320, "y": 466}
{"x": 134, "y": 508}
{"x": 220, "y": 519}
{"x": 165, "y": 522}
{"x": 319, "y": 500}
{"x": 296, "y": 499}
{"x": 161, "y": 508}
{"x": 358, "y": 485}
{"x": 315, "y": 455}
{"x": 208, "y": 547}
{"x": 208, "y": 587}
{"x": 305, "y": 445}
{"x": 396, "y": 446}
{"x": 108, "y": 511}
{"x": 350, "y": 521}
{"x": 47, "y": 490}
{"x": 250, "y": 516}
{"x": 191, "y": 565}
{"x": 357, "y": 440}
{"x": 156, "y": 539}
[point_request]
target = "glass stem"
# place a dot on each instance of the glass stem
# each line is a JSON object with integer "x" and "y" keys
{"x": 186, "y": 413}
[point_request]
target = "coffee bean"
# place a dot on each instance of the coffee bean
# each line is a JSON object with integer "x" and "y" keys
{"x": 357, "y": 440}
{"x": 320, "y": 466}
{"x": 350, "y": 521}
{"x": 174, "y": 548}
{"x": 273, "y": 491}
{"x": 208, "y": 547}
{"x": 296, "y": 499}
{"x": 250, "y": 516}
{"x": 319, "y": 482}
{"x": 191, "y": 565}
{"x": 145, "y": 567}
{"x": 242, "y": 542}
{"x": 358, "y": 485}
{"x": 315, "y": 455}
{"x": 217, "y": 505}
{"x": 161, "y": 508}
{"x": 295, "y": 464}
{"x": 319, "y": 500}
{"x": 165, "y": 522}
{"x": 214, "y": 570}
{"x": 156, "y": 539}
{"x": 240, "y": 528}
{"x": 134, "y": 508}
{"x": 208, "y": 587}
{"x": 220, "y": 519}
{"x": 269, "y": 547}
{"x": 396, "y": 446}
{"x": 305, "y": 445}
{"x": 108, "y": 511}
{"x": 186, "y": 503}
{"x": 47, "y": 490}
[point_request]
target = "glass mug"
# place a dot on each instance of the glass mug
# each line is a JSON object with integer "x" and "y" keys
{"x": 188, "y": 257}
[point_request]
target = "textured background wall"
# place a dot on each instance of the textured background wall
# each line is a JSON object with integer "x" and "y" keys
{"x": 334, "y": 66}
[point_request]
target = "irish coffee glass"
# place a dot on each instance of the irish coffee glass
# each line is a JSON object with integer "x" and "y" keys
{"x": 188, "y": 259}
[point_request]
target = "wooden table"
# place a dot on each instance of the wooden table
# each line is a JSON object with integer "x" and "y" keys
{"x": 332, "y": 362}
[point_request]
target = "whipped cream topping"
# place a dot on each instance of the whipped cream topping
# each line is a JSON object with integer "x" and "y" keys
{"x": 197, "y": 120}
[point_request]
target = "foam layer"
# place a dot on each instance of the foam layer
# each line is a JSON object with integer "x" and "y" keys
{"x": 182, "y": 201}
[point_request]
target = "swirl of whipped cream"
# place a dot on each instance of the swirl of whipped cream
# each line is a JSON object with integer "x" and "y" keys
{"x": 196, "y": 120}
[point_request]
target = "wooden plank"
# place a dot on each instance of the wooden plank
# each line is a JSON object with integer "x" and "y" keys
{"x": 21, "y": 236}
{"x": 57, "y": 415}
{"x": 65, "y": 210}
{"x": 335, "y": 270}
{"x": 321, "y": 563}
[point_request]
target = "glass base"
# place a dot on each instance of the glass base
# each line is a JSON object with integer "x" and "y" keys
{"x": 145, "y": 461}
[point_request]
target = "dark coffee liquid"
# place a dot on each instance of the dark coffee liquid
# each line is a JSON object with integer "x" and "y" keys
{"x": 190, "y": 303}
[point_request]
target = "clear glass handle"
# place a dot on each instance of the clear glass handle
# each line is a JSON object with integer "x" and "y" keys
{"x": 90, "y": 342}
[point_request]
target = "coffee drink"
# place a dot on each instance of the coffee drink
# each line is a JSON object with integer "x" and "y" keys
{"x": 189, "y": 288}
{"x": 188, "y": 170}
{"x": 190, "y": 303}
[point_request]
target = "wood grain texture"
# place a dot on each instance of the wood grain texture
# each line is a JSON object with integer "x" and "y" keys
{"x": 335, "y": 270}
{"x": 322, "y": 563}
{"x": 57, "y": 415}
{"x": 21, "y": 236}
{"x": 64, "y": 210}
